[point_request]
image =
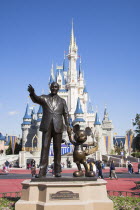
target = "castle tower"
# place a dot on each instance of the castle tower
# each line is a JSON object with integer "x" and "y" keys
{"x": 99, "y": 136}
{"x": 107, "y": 127}
{"x": 25, "y": 126}
{"x": 72, "y": 75}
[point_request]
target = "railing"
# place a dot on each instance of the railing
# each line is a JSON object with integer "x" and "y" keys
{"x": 123, "y": 193}
{"x": 10, "y": 194}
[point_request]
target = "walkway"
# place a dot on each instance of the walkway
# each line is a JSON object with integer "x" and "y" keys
{"x": 122, "y": 184}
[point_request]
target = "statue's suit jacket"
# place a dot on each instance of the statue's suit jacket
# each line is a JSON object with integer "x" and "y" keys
{"x": 52, "y": 112}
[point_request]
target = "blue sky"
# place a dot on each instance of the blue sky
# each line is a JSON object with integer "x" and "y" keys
{"x": 34, "y": 33}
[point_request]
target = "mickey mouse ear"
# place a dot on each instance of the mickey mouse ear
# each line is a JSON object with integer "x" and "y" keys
{"x": 76, "y": 128}
{"x": 88, "y": 131}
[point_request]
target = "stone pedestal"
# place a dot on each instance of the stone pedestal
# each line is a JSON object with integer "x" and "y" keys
{"x": 61, "y": 195}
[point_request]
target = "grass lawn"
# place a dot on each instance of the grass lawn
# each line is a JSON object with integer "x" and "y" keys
{"x": 120, "y": 203}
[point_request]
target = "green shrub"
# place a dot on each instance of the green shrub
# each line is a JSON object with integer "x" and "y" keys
{"x": 136, "y": 154}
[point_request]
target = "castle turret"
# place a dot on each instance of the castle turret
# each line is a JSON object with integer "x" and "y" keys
{"x": 79, "y": 115}
{"x": 99, "y": 137}
{"x": 26, "y": 126}
{"x": 107, "y": 127}
{"x": 97, "y": 121}
{"x": 97, "y": 129}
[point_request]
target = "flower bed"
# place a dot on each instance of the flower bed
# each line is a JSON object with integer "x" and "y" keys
{"x": 125, "y": 203}
{"x": 120, "y": 203}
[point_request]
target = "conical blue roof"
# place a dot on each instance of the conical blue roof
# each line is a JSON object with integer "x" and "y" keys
{"x": 27, "y": 115}
{"x": 40, "y": 110}
{"x": 79, "y": 108}
{"x": 97, "y": 121}
{"x": 2, "y": 137}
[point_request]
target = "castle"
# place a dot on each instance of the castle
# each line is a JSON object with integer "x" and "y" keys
{"x": 73, "y": 90}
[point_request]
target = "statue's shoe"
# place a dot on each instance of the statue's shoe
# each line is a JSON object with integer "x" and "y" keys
{"x": 78, "y": 173}
{"x": 90, "y": 174}
{"x": 40, "y": 176}
{"x": 58, "y": 175}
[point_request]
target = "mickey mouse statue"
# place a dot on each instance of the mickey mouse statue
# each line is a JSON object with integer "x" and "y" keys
{"x": 79, "y": 155}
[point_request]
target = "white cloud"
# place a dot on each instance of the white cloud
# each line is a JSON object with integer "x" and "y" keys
{"x": 13, "y": 113}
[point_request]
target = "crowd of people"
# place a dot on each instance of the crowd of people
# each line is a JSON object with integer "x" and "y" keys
{"x": 96, "y": 166}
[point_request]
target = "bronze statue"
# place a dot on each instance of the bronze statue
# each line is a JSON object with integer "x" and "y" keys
{"x": 79, "y": 155}
{"x": 54, "y": 109}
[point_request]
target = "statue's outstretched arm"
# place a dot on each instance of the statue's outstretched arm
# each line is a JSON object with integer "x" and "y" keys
{"x": 34, "y": 97}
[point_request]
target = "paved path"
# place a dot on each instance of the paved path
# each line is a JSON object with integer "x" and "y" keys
{"x": 12, "y": 181}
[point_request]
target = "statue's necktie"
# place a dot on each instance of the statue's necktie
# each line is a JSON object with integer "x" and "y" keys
{"x": 53, "y": 102}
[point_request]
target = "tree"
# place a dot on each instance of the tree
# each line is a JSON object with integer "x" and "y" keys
{"x": 9, "y": 150}
{"x": 136, "y": 123}
{"x": 136, "y": 143}
{"x": 136, "y": 140}
{"x": 18, "y": 148}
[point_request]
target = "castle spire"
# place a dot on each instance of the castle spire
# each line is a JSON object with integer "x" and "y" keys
{"x": 105, "y": 114}
{"x": 27, "y": 115}
{"x": 79, "y": 107}
{"x": 73, "y": 47}
{"x": 97, "y": 121}
{"x": 105, "y": 111}
{"x": 72, "y": 36}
